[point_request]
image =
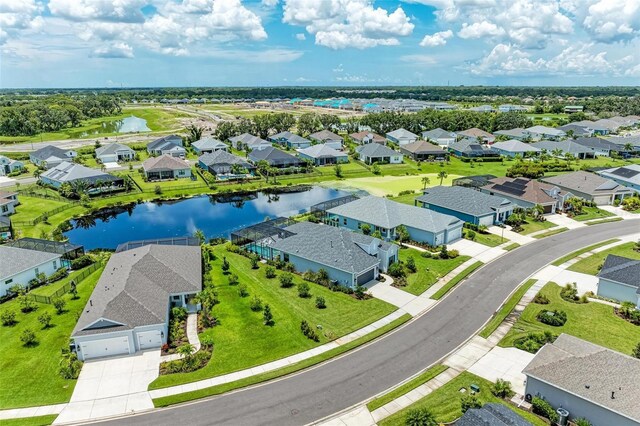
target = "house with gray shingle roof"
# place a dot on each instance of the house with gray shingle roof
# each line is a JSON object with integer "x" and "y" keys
{"x": 602, "y": 147}
{"x": 377, "y": 153}
{"x": 544, "y": 132}
{"x": 8, "y": 203}
{"x": 70, "y": 173}
{"x": 439, "y": 136}
{"x": 50, "y": 156}
{"x": 172, "y": 145}
{"x": 9, "y": 165}
{"x": 628, "y": 176}
{"x": 364, "y": 138}
{"x": 328, "y": 138}
{"x": 565, "y": 147}
{"x": 514, "y": 147}
{"x": 466, "y": 204}
{"x": 166, "y": 167}
{"x": 249, "y": 141}
{"x": 208, "y": 145}
{"x": 275, "y": 158}
{"x": 18, "y": 266}
{"x": 518, "y": 134}
{"x": 221, "y": 164}
{"x": 128, "y": 310}
{"x": 385, "y": 216}
{"x": 491, "y": 414}
{"x": 619, "y": 279}
{"x": 115, "y": 152}
{"x": 323, "y": 154}
{"x": 590, "y": 187}
{"x": 587, "y": 380}
{"x": 477, "y": 135}
{"x": 576, "y": 131}
{"x": 402, "y": 137}
{"x": 290, "y": 140}
{"x": 424, "y": 151}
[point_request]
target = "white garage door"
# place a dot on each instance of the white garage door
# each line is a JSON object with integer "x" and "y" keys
{"x": 149, "y": 339}
{"x": 105, "y": 347}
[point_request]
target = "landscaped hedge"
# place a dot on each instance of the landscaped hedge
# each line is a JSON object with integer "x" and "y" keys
{"x": 553, "y": 318}
{"x": 534, "y": 341}
{"x": 81, "y": 262}
{"x": 544, "y": 409}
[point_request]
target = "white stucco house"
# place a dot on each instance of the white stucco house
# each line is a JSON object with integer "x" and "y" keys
{"x": 9, "y": 165}
{"x": 18, "y": 266}
{"x": 115, "y": 152}
{"x": 619, "y": 279}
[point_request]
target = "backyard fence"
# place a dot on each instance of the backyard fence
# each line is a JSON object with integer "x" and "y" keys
{"x": 45, "y": 216}
{"x": 67, "y": 287}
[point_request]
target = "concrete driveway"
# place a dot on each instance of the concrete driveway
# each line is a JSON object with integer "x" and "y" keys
{"x": 112, "y": 386}
{"x": 506, "y": 364}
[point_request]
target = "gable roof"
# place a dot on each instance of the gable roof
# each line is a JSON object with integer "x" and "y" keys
{"x": 164, "y": 162}
{"x": 518, "y": 132}
{"x": 389, "y": 214}
{"x": 376, "y": 150}
{"x": 515, "y": 146}
{"x": 209, "y": 143}
{"x": 423, "y": 147}
{"x": 629, "y": 174}
{"x": 590, "y": 372}
{"x": 544, "y": 130}
{"x": 470, "y": 145}
{"x": 289, "y": 137}
{"x": 135, "y": 286}
{"x": 402, "y": 133}
{"x": 566, "y": 146}
{"x": 438, "y": 134}
{"x": 464, "y": 200}
{"x": 321, "y": 151}
{"x": 585, "y": 182}
{"x": 165, "y": 142}
{"x": 67, "y": 172}
{"x": 577, "y": 130}
{"x": 522, "y": 188}
{"x": 249, "y": 140}
{"x": 492, "y": 414}
{"x": 361, "y": 135}
{"x": 271, "y": 154}
{"x": 474, "y": 132}
{"x": 622, "y": 270}
{"x": 598, "y": 143}
{"x": 112, "y": 148}
{"x": 324, "y": 135}
{"x": 14, "y": 260}
{"x": 47, "y": 152}
{"x": 222, "y": 157}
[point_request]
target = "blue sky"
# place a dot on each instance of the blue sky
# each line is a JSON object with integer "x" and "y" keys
{"x": 133, "y": 43}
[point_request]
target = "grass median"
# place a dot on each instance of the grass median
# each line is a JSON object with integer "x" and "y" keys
{"x": 550, "y": 233}
{"x": 577, "y": 253}
{"x": 506, "y": 309}
{"x": 455, "y": 280}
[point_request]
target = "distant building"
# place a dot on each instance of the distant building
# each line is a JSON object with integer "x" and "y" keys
{"x": 364, "y": 138}
{"x": 323, "y": 154}
{"x": 376, "y": 153}
{"x": 166, "y": 167}
{"x": 424, "y": 151}
{"x": 440, "y": 137}
{"x": 50, "y": 156}
{"x": 8, "y": 165}
{"x": 518, "y": 134}
{"x": 251, "y": 142}
{"x": 114, "y": 152}
{"x": 570, "y": 109}
{"x": 290, "y": 140}
{"x": 208, "y": 145}
{"x": 402, "y": 137}
{"x": 328, "y": 138}
{"x": 512, "y": 108}
{"x": 544, "y": 132}
{"x": 468, "y": 148}
{"x": 477, "y": 135}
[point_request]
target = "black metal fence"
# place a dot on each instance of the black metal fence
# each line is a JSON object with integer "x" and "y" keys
{"x": 77, "y": 279}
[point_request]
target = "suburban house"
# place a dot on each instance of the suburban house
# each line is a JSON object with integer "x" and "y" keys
{"x": 570, "y": 109}
{"x": 248, "y": 141}
{"x": 544, "y": 132}
{"x": 512, "y": 108}
{"x": 5, "y": 228}
{"x": 439, "y": 137}
{"x": 468, "y": 148}
{"x": 402, "y": 137}
{"x": 208, "y": 145}
{"x": 477, "y": 135}
{"x": 632, "y": 141}
{"x": 565, "y": 147}
{"x": 526, "y": 193}
{"x": 114, "y": 152}
{"x": 491, "y": 414}
{"x": 18, "y": 266}
{"x": 576, "y": 131}
{"x": 593, "y": 127}
{"x": 590, "y": 187}
{"x": 8, "y": 165}
{"x": 424, "y": 151}
{"x": 129, "y": 308}
{"x": 518, "y": 133}
{"x": 482, "y": 108}
{"x": 8, "y": 203}
{"x": 166, "y": 167}
{"x": 221, "y": 164}
{"x": 610, "y": 125}
{"x": 514, "y": 147}
{"x": 628, "y": 176}
{"x": 385, "y": 216}
{"x": 586, "y": 380}
{"x": 364, "y": 138}
{"x": 619, "y": 279}
{"x": 290, "y": 140}
{"x": 50, "y": 156}
{"x": 350, "y": 258}
{"x": 328, "y": 138}
{"x": 466, "y": 204}
{"x": 603, "y": 148}
{"x": 171, "y": 145}
{"x": 275, "y": 158}
{"x": 96, "y": 180}
{"x": 473, "y": 181}
{"x": 323, "y": 154}
{"x": 376, "y": 153}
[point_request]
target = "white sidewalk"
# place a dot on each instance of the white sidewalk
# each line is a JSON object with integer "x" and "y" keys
{"x": 564, "y": 221}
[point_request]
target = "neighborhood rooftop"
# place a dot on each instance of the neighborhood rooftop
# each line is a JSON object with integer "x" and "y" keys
{"x": 622, "y": 270}
{"x": 522, "y": 188}
{"x": 14, "y": 260}
{"x": 111, "y": 149}
{"x": 321, "y": 150}
{"x": 209, "y": 143}
{"x": 375, "y": 150}
{"x": 69, "y": 172}
{"x": 49, "y": 151}
{"x": 582, "y": 181}
{"x": 222, "y": 157}
{"x": 165, "y": 162}
{"x": 465, "y": 200}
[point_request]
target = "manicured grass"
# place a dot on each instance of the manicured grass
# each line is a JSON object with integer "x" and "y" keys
{"x": 455, "y": 280}
{"x": 32, "y": 207}
{"x": 31, "y": 421}
{"x": 407, "y": 198}
{"x": 532, "y": 226}
{"x": 444, "y": 402}
{"x": 550, "y": 233}
{"x": 582, "y": 251}
{"x": 489, "y": 239}
{"x": 407, "y": 387}
{"x": 511, "y": 246}
{"x": 243, "y": 341}
{"x": 216, "y": 390}
{"x": 167, "y": 185}
{"x": 391, "y": 185}
{"x": 429, "y": 271}
{"x": 36, "y": 368}
{"x": 598, "y": 222}
{"x": 506, "y": 309}
{"x": 50, "y": 289}
{"x": 591, "y": 321}
{"x": 591, "y": 265}
{"x": 591, "y": 213}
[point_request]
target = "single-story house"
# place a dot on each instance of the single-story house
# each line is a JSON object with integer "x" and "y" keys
{"x": 221, "y": 163}
{"x": 8, "y": 203}
{"x": 291, "y": 140}
{"x": 482, "y": 108}
{"x": 514, "y": 147}
{"x": 473, "y": 181}
{"x": 477, "y": 135}
{"x": 8, "y": 165}
{"x": 631, "y": 141}
{"x": 518, "y": 133}
{"x": 249, "y": 141}
{"x": 526, "y": 193}
{"x": 376, "y": 153}
{"x": 466, "y": 204}
{"x": 328, "y": 138}
{"x": 50, "y": 156}
{"x": 590, "y": 187}
{"x": 569, "y": 109}
{"x": 469, "y": 148}
{"x": 576, "y": 131}
{"x": 18, "y": 266}
{"x": 385, "y": 216}
{"x": 364, "y": 138}
{"x": 512, "y": 108}
{"x": 611, "y": 125}
{"x": 619, "y": 279}
{"x": 439, "y": 137}
{"x": 275, "y": 158}
{"x": 628, "y": 121}
{"x": 208, "y": 145}
{"x": 323, "y": 154}
{"x": 70, "y": 172}
{"x": 492, "y": 414}
{"x": 566, "y": 146}
{"x": 424, "y": 151}
{"x": 129, "y": 308}
{"x": 544, "y": 132}
{"x": 628, "y": 176}
{"x": 65, "y": 249}
{"x": 114, "y": 152}
{"x": 593, "y": 127}
{"x": 586, "y": 380}
{"x": 166, "y": 167}
{"x": 602, "y": 147}
{"x": 5, "y": 228}
{"x": 171, "y": 145}
{"x": 402, "y": 137}
{"x": 350, "y": 258}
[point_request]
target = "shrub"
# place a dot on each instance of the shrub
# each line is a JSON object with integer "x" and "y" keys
{"x": 254, "y": 262}
{"x": 308, "y": 331}
{"x": 206, "y": 341}
{"x": 553, "y": 318}
{"x": 26, "y": 304}
{"x": 635, "y": 353}
{"x": 359, "y": 292}
{"x": 157, "y": 190}
{"x": 270, "y": 272}
{"x": 541, "y": 299}
{"x": 303, "y": 290}
{"x": 256, "y": 304}
{"x": 471, "y": 235}
{"x": 502, "y": 389}
{"x": 267, "y": 316}
{"x": 70, "y": 365}
{"x": 81, "y": 262}
{"x": 453, "y": 254}
{"x": 581, "y": 421}
{"x": 469, "y": 401}
{"x": 233, "y": 279}
{"x": 544, "y": 409}
{"x": 570, "y": 294}
{"x": 534, "y": 341}
{"x": 420, "y": 417}
{"x": 178, "y": 314}
{"x": 310, "y": 276}
{"x": 321, "y": 304}
{"x": 45, "y": 319}
{"x": 396, "y": 270}
{"x": 225, "y": 264}
{"x": 57, "y": 275}
{"x": 28, "y": 337}
{"x": 286, "y": 280}
{"x": 59, "y": 303}
{"x": 8, "y": 318}
{"x": 444, "y": 254}
{"x": 411, "y": 264}
{"x": 242, "y": 290}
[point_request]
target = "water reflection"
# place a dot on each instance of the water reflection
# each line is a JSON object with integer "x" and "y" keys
{"x": 131, "y": 124}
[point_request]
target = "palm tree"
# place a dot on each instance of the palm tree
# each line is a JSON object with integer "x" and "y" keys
{"x": 442, "y": 175}
{"x": 425, "y": 181}
{"x": 200, "y": 236}
{"x": 518, "y": 158}
{"x": 195, "y": 133}
{"x": 556, "y": 152}
{"x": 628, "y": 147}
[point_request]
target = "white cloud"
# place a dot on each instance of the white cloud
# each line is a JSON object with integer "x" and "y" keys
{"x": 301, "y": 36}
{"x": 98, "y": 10}
{"x": 338, "y": 69}
{"x": 480, "y": 29}
{"x": 423, "y": 60}
{"x": 613, "y": 20}
{"x": 437, "y": 39}
{"x": 117, "y": 50}
{"x": 17, "y": 16}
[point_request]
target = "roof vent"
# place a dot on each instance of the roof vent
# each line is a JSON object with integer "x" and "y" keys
{"x": 613, "y": 395}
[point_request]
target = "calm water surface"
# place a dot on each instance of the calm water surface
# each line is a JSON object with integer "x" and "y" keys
{"x": 126, "y": 125}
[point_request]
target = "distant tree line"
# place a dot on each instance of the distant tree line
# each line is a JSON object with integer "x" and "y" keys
{"x": 269, "y": 124}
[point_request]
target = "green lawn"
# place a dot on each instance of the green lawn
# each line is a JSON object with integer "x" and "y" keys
{"x": 390, "y": 184}
{"x": 444, "y": 402}
{"x": 591, "y": 265}
{"x": 167, "y": 185}
{"x": 407, "y": 198}
{"x": 550, "y": 233}
{"x": 455, "y": 280}
{"x": 36, "y": 368}
{"x": 428, "y": 270}
{"x": 489, "y": 239}
{"x": 591, "y": 321}
{"x": 243, "y": 341}
{"x": 506, "y": 309}
{"x": 611, "y": 219}
{"x": 50, "y": 289}
{"x": 511, "y": 246}
{"x": 591, "y": 213}
{"x": 31, "y": 421}
{"x": 583, "y": 250}
{"x": 32, "y": 207}
{"x": 532, "y": 226}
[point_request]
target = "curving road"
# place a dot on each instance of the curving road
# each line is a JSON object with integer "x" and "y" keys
{"x": 359, "y": 375}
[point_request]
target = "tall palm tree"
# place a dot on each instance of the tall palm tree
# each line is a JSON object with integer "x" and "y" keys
{"x": 442, "y": 175}
{"x": 556, "y": 152}
{"x": 425, "y": 181}
{"x": 628, "y": 147}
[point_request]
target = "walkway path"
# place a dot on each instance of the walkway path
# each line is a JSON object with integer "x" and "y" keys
{"x": 564, "y": 221}
{"x": 192, "y": 336}
{"x": 510, "y": 235}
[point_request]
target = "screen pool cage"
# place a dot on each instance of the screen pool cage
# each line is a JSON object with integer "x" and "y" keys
{"x": 319, "y": 211}
{"x": 67, "y": 250}
{"x": 258, "y": 238}
{"x": 174, "y": 241}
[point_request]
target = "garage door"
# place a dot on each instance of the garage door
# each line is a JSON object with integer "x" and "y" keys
{"x": 149, "y": 339}
{"x": 366, "y": 277}
{"x": 105, "y": 347}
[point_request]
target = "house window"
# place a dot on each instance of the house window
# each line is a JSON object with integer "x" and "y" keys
{"x": 285, "y": 257}
{"x": 5, "y": 209}
{"x": 176, "y": 297}
{"x": 9, "y": 281}
{"x": 37, "y": 271}
{"x": 55, "y": 264}
{"x": 344, "y": 221}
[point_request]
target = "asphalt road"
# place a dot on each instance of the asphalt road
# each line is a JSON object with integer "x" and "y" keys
{"x": 339, "y": 384}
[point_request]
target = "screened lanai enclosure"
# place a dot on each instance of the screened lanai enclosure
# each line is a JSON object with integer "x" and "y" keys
{"x": 319, "y": 211}
{"x": 260, "y": 237}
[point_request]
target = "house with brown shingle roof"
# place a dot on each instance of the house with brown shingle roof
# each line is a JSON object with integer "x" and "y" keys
{"x": 364, "y": 138}
{"x": 166, "y": 167}
{"x": 424, "y": 151}
{"x": 475, "y": 133}
{"x": 526, "y": 193}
